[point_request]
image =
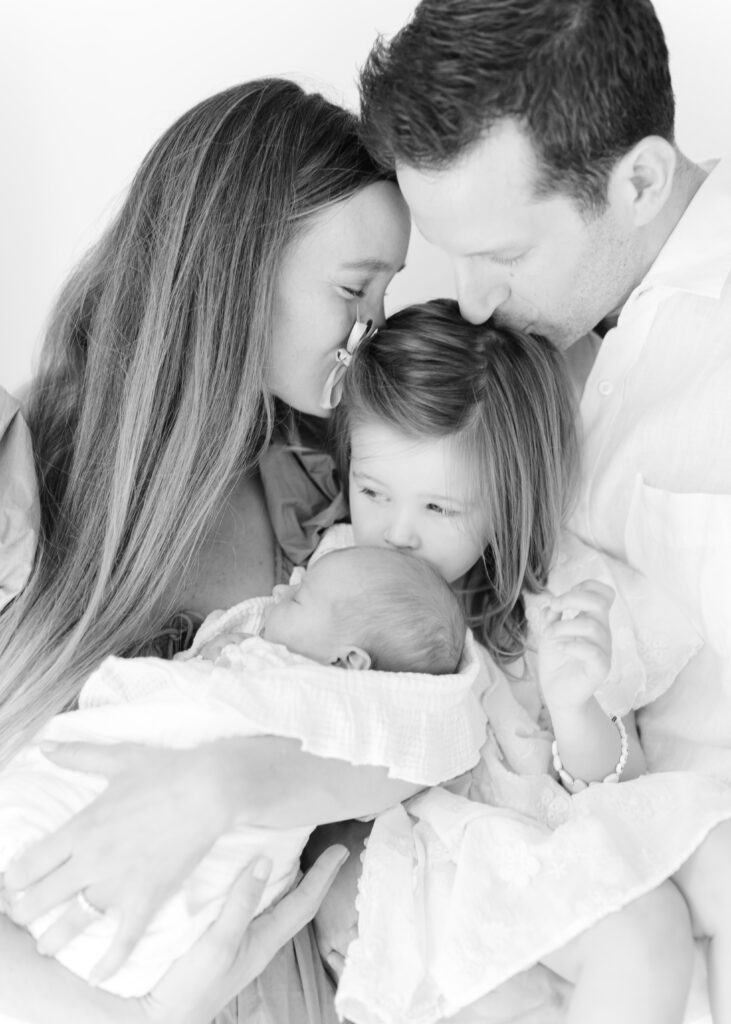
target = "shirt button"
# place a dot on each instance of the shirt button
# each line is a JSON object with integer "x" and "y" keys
{"x": 605, "y": 387}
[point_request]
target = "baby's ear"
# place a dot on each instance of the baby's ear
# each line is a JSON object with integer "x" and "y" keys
{"x": 353, "y": 657}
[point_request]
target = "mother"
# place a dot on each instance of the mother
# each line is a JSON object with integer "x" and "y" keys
{"x": 255, "y": 233}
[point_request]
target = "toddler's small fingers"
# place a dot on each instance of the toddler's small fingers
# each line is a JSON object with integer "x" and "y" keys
{"x": 590, "y": 595}
{"x": 580, "y": 627}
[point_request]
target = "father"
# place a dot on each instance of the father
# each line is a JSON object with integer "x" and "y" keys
{"x": 533, "y": 141}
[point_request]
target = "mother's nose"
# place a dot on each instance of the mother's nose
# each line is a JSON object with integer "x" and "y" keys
{"x": 374, "y": 310}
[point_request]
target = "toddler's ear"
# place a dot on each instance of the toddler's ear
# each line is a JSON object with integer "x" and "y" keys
{"x": 353, "y": 657}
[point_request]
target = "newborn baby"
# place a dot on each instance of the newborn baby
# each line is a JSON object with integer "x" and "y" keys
{"x": 363, "y": 608}
{"x": 268, "y": 666}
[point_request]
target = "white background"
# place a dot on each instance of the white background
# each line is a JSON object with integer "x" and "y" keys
{"x": 86, "y": 86}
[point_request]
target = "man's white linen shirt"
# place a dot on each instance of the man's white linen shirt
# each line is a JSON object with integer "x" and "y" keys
{"x": 656, "y": 471}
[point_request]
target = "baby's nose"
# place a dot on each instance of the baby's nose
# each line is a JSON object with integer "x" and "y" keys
{"x": 280, "y": 591}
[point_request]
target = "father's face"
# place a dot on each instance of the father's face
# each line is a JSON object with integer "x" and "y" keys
{"x": 536, "y": 261}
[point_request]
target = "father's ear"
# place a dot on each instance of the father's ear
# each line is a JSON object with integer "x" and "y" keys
{"x": 642, "y": 180}
{"x": 352, "y": 657}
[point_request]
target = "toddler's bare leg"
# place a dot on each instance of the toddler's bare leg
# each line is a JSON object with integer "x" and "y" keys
{"x": 705, "y": 880}
{"x": 633, "y": 966}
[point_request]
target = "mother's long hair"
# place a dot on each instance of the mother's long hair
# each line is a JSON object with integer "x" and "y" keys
{"x": 151, "y": 399}
{"x": 505, "y": 399}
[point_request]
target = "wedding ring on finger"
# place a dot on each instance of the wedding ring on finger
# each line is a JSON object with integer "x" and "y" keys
{"x": 88, "y": 907}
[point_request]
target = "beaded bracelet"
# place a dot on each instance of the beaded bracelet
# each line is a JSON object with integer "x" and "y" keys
{"x": 576, "y": 785}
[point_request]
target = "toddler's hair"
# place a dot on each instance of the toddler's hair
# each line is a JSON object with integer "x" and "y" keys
{"x": 406, "y": 616}
{"x": 505, "y": 399}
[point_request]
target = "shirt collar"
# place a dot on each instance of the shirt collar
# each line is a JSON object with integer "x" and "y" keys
{"x": 696, "y": 257}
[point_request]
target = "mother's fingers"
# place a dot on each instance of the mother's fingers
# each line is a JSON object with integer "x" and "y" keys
{"x": 38, "y": 860}
{"x": 49, "y": 853}
{"x": 106, "y": 759}
{"x": 240, "y": 906}
{"x": 292, "y": 913}
{"x": 32, "y": 899}
{"x": 271, "y": 930}
{"x": 74, "y": 920}
{"x": 219, "y": 964}
{"x": 131, "y": 921}
{"x": 235, "y": 949}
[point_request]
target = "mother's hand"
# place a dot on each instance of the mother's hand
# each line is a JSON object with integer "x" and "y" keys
{"x": 233, "y": 951}
{"x": 230, "y": 954}
{"x": 129, "y": 850}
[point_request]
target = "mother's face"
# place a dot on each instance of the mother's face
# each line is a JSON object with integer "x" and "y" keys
{"x": 336, "y": 271}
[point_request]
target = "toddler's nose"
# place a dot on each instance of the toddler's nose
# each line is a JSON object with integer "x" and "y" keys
{"x": 401, "y": 536}
{"x": 280, "y": 591}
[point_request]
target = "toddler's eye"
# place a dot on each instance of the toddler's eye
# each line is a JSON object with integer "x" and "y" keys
{"x": 370, "y": 493}
{"x": 440, "y": 510}
{"x": 354, "y": 293}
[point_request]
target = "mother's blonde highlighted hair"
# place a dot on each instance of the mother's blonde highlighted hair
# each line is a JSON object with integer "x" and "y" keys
{"x": 151, "y": 397}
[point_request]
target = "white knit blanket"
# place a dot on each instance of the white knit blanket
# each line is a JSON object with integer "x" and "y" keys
{"x": 424, "y": 729}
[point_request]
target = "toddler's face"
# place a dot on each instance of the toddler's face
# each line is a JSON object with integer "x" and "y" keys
{"x": 416, "y": 496}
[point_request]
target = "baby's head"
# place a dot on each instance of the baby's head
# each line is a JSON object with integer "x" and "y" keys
{"x": 370, "y": 608}
{"x": 462, "y": 450}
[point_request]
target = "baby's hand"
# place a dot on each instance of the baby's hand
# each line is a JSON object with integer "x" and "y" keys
{"x": 213, "y": 648}
{"x": 575, "y": 645}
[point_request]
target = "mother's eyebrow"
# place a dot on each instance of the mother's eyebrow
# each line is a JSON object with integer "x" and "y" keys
{"x": 370, "y": 263}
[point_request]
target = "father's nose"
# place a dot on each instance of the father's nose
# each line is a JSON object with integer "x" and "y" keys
{"x": 479, "y": 293}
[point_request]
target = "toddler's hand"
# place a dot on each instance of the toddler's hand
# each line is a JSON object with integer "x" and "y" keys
{"x": 575, "y": 646}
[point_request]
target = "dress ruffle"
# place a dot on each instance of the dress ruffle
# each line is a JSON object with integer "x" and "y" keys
{"x": 457, "y": 898}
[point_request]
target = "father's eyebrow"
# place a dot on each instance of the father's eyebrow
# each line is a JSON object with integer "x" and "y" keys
{"x": 371, "y": 263}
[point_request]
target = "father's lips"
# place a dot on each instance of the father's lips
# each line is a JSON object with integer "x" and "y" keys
{"x": 526, "y": 327}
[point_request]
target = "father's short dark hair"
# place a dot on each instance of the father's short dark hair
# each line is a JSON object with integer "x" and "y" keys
{"x": 586, "y": 79}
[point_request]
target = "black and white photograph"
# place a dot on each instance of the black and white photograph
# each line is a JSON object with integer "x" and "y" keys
{"x": 365, "y": 512}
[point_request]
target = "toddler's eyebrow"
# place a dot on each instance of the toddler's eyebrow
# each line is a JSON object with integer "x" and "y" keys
{"x": 463, "y": 503}
{"x": 360, "y": 475}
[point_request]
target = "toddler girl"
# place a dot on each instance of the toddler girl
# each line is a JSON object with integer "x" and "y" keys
{"x": 461, "y": 446}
